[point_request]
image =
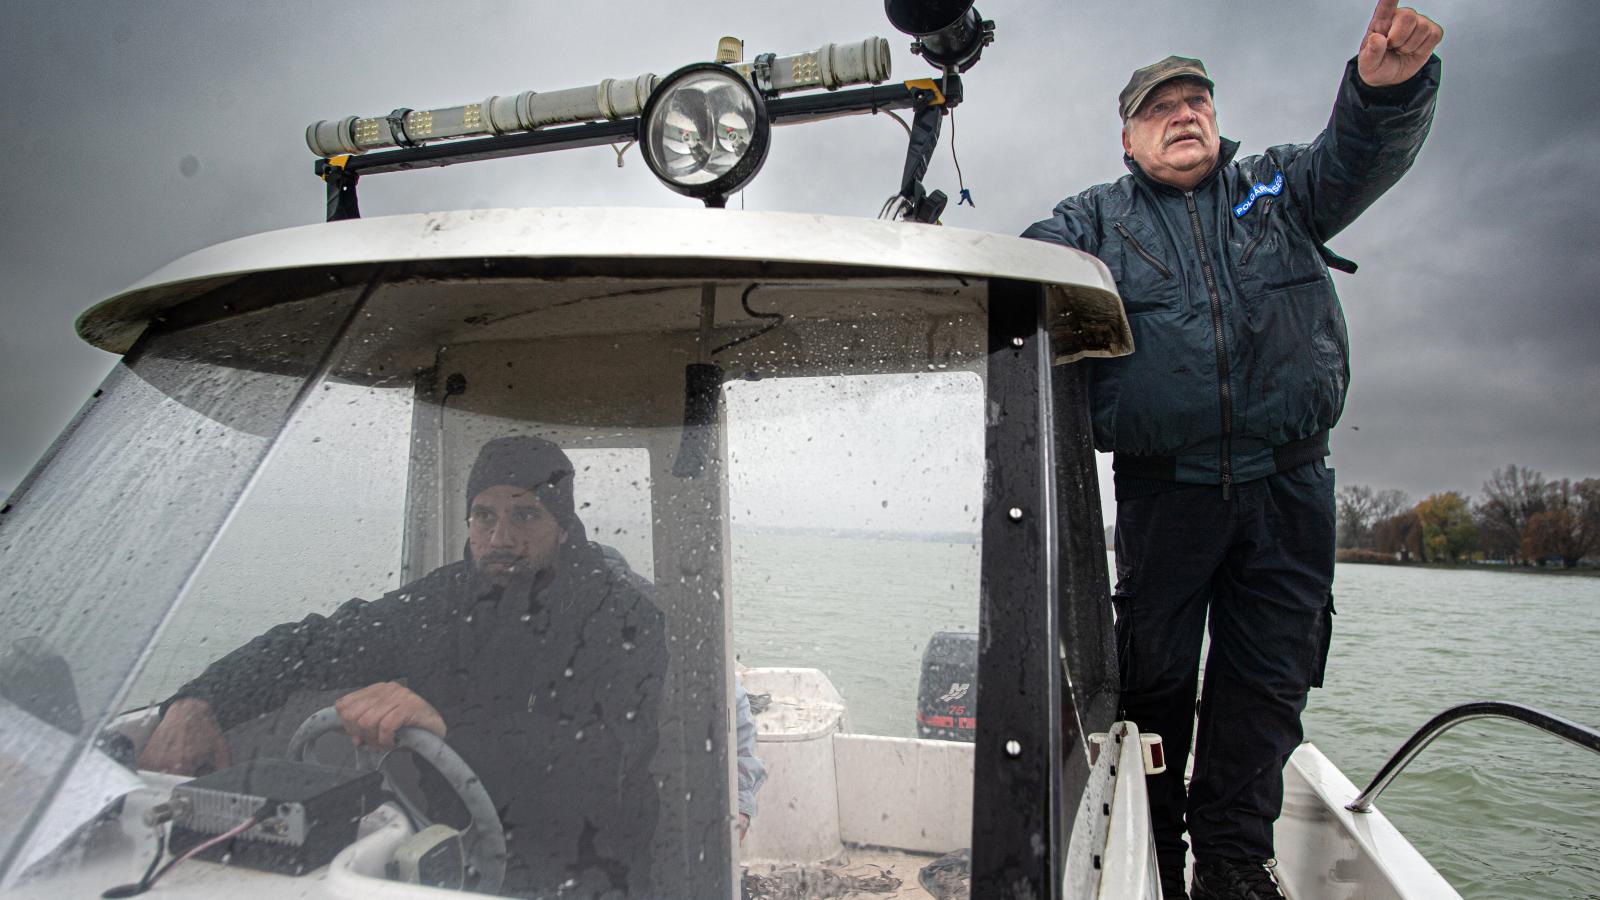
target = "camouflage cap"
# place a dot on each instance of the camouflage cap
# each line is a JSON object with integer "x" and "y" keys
{"x": 1153, "y": 76}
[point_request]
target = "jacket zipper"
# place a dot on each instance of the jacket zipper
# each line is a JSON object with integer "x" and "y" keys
{"x": 1226, "y": 458}
{"x": 1139, "y": 249}
{"x": 1250, "y": 249}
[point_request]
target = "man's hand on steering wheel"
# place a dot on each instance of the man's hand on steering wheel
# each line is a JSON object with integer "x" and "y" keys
{"x": 372, "y": 715}
{"x": 388, "y": 715}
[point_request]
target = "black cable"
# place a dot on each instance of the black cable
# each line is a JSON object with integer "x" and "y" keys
{"x": 454, "y": 385}
{"x": 144, "y": 882}
{"x": 744, "y": 301}
{"x": 966, "y": 196}
{"x": 197, "y": 849}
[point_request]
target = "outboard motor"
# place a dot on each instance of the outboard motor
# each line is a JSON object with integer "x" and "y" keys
{"x": 947, "y": 694}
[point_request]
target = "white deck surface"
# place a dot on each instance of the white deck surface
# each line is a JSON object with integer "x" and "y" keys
{"x": 866, "y": 862}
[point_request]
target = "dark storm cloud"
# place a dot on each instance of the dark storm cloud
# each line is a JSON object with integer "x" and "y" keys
{"x": 146, "y": 132}
{"x": 1474, "y": 320}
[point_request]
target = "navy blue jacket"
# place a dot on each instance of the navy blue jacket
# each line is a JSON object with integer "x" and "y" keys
{"x": 1241, "y": 359}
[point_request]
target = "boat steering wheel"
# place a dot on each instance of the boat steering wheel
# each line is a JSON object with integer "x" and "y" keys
{"x": 485, "y": 839}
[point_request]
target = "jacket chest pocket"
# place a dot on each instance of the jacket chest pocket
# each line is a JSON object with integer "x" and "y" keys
{"x": 1272, "y": 255}
{"x": 1146, "y": 277}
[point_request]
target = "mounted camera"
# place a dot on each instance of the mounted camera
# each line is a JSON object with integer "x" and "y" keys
{"x": 950, "y": 34}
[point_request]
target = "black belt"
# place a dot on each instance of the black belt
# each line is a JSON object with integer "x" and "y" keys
{"x": 1165, "y": 468}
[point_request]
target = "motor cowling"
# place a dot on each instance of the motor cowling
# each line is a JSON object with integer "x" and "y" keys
{"x": 947, "y": 694}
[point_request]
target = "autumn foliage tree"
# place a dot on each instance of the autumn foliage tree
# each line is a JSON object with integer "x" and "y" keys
{"x": 1553, "y": 533}
{"x": 1511, "y": 498}
{"x": 1570, "y": 528}
{"x": 1400, "y": 534}
{"x": 1448, "y": 532}
{"x": 1521, "y": 518}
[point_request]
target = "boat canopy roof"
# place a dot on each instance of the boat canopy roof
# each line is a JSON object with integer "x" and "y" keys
{"x": 578, "y": 243}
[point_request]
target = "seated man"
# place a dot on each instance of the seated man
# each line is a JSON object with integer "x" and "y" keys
{"x": 539, "y": 659}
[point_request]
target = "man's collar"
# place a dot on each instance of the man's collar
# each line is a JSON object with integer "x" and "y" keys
{"x": 1225, "y": 151}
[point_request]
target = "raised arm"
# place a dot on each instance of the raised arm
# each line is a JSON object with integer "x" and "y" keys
{"x": 1397, "y": 44}
{"x": 1380, "y": 119}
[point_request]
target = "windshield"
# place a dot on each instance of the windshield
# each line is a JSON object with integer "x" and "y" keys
{"x": 687, "y": 576}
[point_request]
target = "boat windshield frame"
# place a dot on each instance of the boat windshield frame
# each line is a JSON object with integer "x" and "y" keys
{"x": 1045, "y": 613}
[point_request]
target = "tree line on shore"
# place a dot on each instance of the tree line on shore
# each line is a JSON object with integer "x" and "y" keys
{"x": 1520, "y": 519}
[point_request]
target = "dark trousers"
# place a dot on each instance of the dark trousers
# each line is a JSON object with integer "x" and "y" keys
{"x": 1261, "y": 564}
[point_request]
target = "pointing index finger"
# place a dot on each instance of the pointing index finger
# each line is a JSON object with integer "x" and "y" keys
{"x": 1382, "y": 17}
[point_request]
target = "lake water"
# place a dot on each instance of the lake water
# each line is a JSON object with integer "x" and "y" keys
{"x": 1501, "y": 810}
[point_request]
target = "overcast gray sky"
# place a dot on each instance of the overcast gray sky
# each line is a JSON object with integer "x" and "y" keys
{"x": 137, "y": 132}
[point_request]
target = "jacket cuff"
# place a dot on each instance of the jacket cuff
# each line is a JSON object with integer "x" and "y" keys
{"x": 183, "y": 694}
{"x": 209, "y": 692}
{"x": 1394, "y": 94}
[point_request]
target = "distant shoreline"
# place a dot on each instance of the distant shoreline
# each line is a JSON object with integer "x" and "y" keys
{"x": 1579, "y": 572}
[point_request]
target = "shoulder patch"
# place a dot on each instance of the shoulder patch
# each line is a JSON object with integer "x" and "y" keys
{"x": 1275, "y": 188}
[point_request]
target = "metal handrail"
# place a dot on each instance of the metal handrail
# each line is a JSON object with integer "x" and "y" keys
{"x": 1566, "y": 729}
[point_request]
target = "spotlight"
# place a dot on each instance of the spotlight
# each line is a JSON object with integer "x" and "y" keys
{"x": 704, "y": 132}
{"x": 950, "y": 33}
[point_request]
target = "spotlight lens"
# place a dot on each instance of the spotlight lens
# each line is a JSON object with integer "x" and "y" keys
{"x": 702, "y": 128}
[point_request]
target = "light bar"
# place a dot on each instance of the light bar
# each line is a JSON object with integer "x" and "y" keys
{"x": 613, "y": 98}
{"x": 829, "y": 66}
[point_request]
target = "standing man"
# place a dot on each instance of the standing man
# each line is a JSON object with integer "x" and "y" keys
{"x": 1219, "y": 423}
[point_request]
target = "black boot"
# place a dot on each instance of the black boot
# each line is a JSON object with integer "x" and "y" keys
{"x": 1231, "y": 879}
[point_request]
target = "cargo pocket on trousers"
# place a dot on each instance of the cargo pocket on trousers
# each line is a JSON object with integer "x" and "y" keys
{"x": 1125, "y": 668}
{"x": 1319, "y": 664}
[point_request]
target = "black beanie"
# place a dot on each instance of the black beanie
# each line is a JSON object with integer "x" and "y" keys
{"x": 533, "y": 464}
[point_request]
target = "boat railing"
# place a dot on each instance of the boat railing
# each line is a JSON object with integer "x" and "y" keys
{"x": 1566, "y": 729}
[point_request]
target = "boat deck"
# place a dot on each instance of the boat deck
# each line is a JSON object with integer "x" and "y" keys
{"x": 860, "y": 872}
